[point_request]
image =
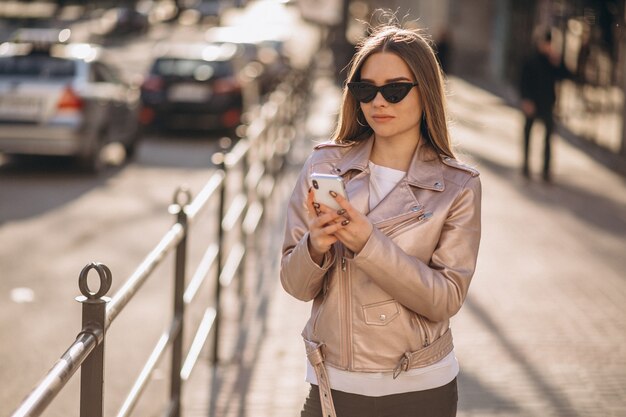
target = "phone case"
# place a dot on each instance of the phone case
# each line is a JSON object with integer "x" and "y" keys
{"x": 324, "y": 183}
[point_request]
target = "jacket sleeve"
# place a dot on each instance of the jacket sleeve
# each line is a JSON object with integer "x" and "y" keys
{"x": 300, "y": 276}
{"x": 435, "y": 290}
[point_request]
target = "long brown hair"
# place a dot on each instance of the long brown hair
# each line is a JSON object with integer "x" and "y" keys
{"x": 416, "y": 51}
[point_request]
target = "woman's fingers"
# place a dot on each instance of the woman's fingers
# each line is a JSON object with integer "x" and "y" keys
{"x": 311, "y": 206}
{"x": 347, "y": 210}
{"x": 354, "y": 227}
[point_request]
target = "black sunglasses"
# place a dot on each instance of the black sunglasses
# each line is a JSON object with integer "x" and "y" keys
{"x": 392, "y": 92}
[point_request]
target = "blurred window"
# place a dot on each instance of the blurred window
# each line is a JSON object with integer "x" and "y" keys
{"x": 194, "y": 68}
{"x": 37, "y": 66}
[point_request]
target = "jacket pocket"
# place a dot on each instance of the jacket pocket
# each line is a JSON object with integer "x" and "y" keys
{"x": 423, "y": 328}
{"x": 382, "y": 313}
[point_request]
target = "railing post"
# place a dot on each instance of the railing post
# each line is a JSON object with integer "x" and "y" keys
{"x": 94, "y": 316}
{"x": 182, "y": 197}
{"x": 219, "y": 160}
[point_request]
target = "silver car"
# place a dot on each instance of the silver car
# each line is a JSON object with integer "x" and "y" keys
{"x": 63, "y": 99}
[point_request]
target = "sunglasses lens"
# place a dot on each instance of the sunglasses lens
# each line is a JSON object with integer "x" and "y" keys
{"x": 394, "y": 93}
{"x": 362, "y": 92}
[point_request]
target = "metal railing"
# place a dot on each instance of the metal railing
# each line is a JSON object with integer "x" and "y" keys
{"x": 242, "y": 182}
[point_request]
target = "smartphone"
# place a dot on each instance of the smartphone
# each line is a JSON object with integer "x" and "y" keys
{"x": 323, "y": 184}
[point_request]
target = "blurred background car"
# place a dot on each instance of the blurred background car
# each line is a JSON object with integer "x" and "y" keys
{"x": 61, "y": 98}
{"x": 264, "y": 48}
{"x": 193, "y": 87}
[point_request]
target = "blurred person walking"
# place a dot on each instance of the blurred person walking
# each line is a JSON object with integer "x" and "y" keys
{"x": 388, "y": 270}
{"x": 540, "y": 73}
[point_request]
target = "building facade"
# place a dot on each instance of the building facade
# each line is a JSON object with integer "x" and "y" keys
{"x": 488, "y": 40}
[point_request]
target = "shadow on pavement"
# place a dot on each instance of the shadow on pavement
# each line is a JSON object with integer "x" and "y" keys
{"x": 231, "y": 380}
{"x": 36, "y": 185}
{"x": 558, "y": 402}
{"x": 475, "y": 396}
{"x": 590, "y": 207}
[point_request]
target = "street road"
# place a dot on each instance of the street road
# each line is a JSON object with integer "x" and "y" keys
{"x": 53, "y": 221}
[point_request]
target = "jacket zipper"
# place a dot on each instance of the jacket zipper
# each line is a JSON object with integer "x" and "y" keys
{"x": 415, "y": 212}
{"x": 412, "y": 221}
{"x": 345, "y": 309}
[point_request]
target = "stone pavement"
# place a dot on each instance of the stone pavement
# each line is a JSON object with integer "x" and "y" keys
{"x": 543, "y": 331}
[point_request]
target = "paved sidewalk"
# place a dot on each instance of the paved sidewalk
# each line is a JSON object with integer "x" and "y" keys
{"x": 543, "y": 331}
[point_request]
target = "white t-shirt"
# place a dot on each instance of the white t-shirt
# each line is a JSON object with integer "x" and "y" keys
{"x": 376, "y": 384}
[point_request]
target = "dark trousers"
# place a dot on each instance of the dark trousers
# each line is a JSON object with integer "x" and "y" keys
{"x": 437, "y": 402}
{"x": 548, "y": 122}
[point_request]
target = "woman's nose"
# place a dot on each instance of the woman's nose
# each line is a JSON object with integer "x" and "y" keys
{"x": 379, "y": 100}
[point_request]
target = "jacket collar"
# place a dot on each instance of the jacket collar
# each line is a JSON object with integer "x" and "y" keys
{"x": 425, "y": 171}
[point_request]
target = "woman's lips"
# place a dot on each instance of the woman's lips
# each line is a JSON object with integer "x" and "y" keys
{"x": 381, "y": 118}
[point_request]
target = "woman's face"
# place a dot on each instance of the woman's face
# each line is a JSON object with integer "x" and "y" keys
{"x": 391, "y": 120}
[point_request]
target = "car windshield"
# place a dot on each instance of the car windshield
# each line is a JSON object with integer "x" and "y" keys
{"x": 40, "y": 66}
{"x": 192, "y": 68}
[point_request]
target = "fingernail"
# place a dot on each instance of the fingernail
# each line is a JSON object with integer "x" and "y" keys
{"x": 316, "y": 205}
{"x": 332, "y": 193}
{"x": 340, "y": 212}
{"x": 345, "y": 222}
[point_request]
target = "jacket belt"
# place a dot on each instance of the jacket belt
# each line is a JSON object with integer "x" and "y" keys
{"x": 316, "y": 357}
{"x": 426, "y": 356}
{"x": 416, "y": 359}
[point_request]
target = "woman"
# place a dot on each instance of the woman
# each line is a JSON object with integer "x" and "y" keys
{"x": 388, "y": 270}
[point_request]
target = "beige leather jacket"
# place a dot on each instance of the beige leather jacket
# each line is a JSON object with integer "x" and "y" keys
{"x": 388, "y": 307}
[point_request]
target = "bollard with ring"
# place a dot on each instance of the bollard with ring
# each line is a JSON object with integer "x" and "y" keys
{"x": 94, "y": 316}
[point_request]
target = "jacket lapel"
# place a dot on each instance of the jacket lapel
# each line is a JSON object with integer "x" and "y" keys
{"x": 425, "y": 172}
{"x": 399, "y": 202}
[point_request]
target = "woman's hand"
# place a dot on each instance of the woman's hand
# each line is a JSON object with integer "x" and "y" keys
{"x": 356, "y": 227}
{"x": 323, "y": 223}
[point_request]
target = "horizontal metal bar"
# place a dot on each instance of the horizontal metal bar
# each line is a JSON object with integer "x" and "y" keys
{"x": 201, "y": 199}
{"x": 237, "y": 153}
{"x": 209, "y": 257}
{"x": 253, "y": 215}
{"x": 198, "y": 342}
{"x": 142, "y": 380}
{"x": 232, "y": 263}
{"x": 234, "y": 212}
{"x": 136, "y": 280}
{"x": 52, "y": 383}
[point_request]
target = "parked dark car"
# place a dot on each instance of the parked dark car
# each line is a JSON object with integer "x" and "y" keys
{"x": 254, "y": 47}
{"x": 193, "y": 87}
{"x": 64, "y": 99}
